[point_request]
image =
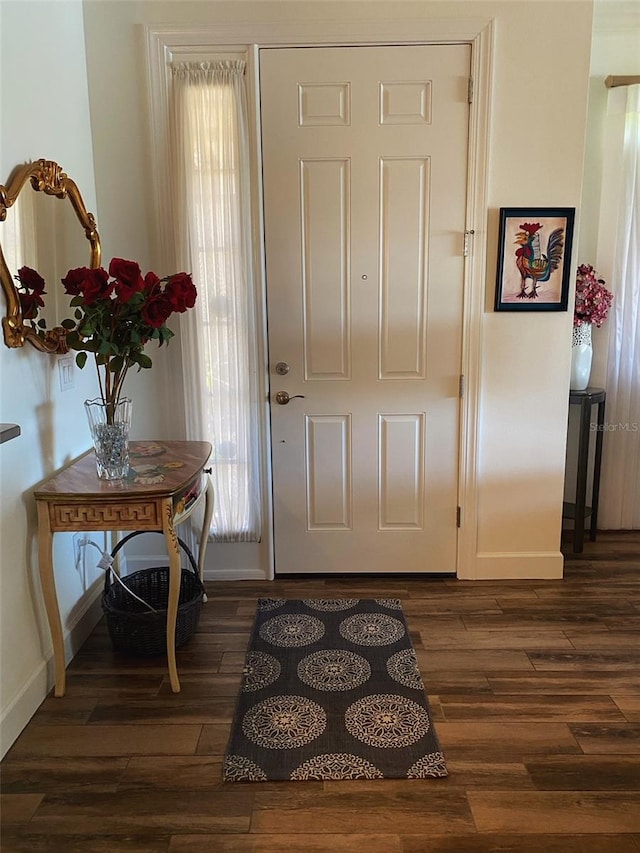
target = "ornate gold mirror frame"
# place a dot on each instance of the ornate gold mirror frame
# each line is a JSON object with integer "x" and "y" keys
{"x": 44, "y": 176}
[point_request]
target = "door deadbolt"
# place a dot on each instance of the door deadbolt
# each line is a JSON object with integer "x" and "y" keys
{"x": 282, "y": 368}
{"x": 282, "y": 397}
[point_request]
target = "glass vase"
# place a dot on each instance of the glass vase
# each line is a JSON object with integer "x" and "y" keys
{"x": 581, "y": 357}
{"x": 110, "y": 436}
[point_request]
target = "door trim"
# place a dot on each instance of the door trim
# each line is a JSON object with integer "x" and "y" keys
{"x": 166, "y": 43}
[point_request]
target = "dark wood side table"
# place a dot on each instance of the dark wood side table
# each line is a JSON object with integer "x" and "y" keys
{"x": 579, "y": 510}
{"x": 166, "y": 482}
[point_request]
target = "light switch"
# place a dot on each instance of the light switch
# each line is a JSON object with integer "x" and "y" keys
{"x": 66, "y": 372}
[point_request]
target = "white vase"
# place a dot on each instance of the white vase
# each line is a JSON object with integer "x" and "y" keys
{"x": 581, "y": 356}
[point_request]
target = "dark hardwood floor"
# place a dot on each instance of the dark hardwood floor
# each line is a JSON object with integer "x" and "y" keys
{"x": 535, "y": 689}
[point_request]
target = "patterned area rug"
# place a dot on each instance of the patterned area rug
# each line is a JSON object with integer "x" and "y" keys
{"x": 331, "y": 690}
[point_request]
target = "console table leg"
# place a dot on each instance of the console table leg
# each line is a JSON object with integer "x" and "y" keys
{"x": 47, "y": 580}
{"x": 597, "y": 467}
{"x": 175, "y": 576}
{"x": 206, "y": 526}
{"x": 581, "y": 483}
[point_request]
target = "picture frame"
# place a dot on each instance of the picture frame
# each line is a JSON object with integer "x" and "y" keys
{"x": 534, "y": 258}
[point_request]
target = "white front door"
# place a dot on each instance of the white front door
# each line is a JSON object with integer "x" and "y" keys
{"x": 365, "y": 173}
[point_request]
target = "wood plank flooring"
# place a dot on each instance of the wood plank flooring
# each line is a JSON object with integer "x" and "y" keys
{"x": 535, "y": 692}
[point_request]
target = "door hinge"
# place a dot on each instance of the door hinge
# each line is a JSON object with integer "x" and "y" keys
{"x": 470, "y": 90}
{"x": 467, "y": 237}
{"x": 458, "y": 516}
{"x": 461, "y": 386}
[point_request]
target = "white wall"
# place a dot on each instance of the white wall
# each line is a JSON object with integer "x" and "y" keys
{"x": 541, "y": 73}
{"x": 46, "y": 115}
{"x": 542, "y": 60}
{"x": 539, "y": 111}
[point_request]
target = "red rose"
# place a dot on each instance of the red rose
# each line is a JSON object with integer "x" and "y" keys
{"x": 156, "y": 311}
{"x": 128, "y": 278}
{"x": 96, "y": 285}
{"x": 151, "y": 282}
{"x": 74, "y": 280}
{"x": 31, "y": 280}
{"x": 181, "y": 292}
{"x": 30, "y": 303}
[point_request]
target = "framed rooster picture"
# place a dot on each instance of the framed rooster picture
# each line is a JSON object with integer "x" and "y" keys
{"x": 534, "y": 258}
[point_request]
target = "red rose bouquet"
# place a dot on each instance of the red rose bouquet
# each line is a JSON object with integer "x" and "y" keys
{"x": 116, "y": 314}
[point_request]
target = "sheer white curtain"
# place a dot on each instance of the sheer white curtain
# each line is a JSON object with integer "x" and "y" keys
{"x": 213, "y": 222}
{"x": 620, "y": 491}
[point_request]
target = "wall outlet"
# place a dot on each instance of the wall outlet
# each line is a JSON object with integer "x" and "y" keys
{"x": 80, "y": 544}
{"x": 90, "y": 556}
{"x": 66, "y": 369}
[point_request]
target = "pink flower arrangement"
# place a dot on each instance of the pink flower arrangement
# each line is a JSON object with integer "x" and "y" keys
{"x": 593, "y": 300}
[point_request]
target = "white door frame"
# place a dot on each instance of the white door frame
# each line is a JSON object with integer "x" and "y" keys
{"x": 169, "y": 43}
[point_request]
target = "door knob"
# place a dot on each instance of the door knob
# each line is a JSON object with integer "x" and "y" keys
{"x": 282, "y": 397}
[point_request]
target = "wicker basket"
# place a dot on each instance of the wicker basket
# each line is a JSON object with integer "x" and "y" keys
{"x": 138, "y": 629}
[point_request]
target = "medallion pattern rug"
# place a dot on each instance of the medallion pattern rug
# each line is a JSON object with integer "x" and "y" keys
{"x": 331, "y": 690}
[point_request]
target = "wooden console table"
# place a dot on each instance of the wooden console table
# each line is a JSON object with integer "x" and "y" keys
{"x": 166, "y": 482}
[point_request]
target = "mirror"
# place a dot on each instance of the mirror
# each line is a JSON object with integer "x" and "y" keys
{"x": 36, "y": 233}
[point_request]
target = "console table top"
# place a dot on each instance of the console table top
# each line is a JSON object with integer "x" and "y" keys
{"x": 157, "y": 468}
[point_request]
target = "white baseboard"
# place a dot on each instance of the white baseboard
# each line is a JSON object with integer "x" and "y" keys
{"x": 499, "y": 565}
{"x": 547, "y": 565}
{"x": 23, "y": 707}
{"x": 219, "y": 573}
{"x": 35, "y": 690}
{"x": 234, "y": 574}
